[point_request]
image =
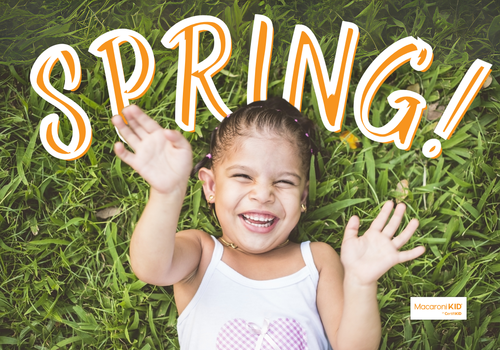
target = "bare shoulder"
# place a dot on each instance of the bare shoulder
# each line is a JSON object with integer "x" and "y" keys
{"x": 190, "y": 251}
{"x": 205, "y": 239}
{"x": 195, "y": 235}
{"x": 186, "y": 288}
{"x": 325, "y": 257}
{"x": 196, "y": 243}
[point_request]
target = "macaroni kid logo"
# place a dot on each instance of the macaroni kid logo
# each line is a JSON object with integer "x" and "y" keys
{"x": 438, "y": 308}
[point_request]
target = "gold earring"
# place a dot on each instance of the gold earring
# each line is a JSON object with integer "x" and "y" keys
{"x": 212, "y": 210}
{"x": 210, "y": 197}
{"x": 303, "y": 208}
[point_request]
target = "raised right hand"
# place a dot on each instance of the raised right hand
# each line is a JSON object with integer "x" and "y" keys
{"x": 366, "y": 258}
{"x": 162, "y": 157}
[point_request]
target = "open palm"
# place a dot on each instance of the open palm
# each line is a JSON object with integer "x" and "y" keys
{"x": 368, "y": 257}
{"x": 162, "y": 157}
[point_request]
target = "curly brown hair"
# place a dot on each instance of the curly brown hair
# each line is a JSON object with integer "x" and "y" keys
{"x": 274, "y": 115}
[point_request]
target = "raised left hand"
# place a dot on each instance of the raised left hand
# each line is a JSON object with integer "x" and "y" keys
{"x": 367, "y": 258}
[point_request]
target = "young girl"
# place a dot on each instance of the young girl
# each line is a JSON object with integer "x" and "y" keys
{"x": 252, "y": 288}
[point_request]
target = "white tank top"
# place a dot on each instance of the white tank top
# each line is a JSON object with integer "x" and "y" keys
{"x": 232, "y": 312}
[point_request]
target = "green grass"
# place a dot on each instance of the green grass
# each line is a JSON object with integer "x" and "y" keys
{"x": 65, "y": 277}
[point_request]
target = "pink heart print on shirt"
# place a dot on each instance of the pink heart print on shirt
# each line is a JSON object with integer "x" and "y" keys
{"x": 280, "y": 334}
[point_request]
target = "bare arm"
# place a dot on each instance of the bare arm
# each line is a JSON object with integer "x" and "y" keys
{"x": 164, "y": 159}
{"x": 349, "y": 312}
{"x": 159, "y": 256}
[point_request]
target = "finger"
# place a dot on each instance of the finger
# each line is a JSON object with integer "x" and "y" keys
{"x": 351, "y": 230}
{"x": 381, "y": 219}
{"x": 137, "y": 128}
{"x": 126, "y": 132}
{"x": 176, "y": 138}
{"x": 406, "y": 234}
{"x": 395, "y": 221}
{"x": 123, "y": 154}
{"x": 410, "y": 254}
{"x": 145, "y": 121}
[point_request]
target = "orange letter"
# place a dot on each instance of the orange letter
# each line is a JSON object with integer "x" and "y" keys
{"x": 80, "y": 123}
{"x": 402, "y": 128}
{"x": 193, "y": 75}
{"x": 331, "y": 93}
{"x": 459, "y": 104}
{"x": 261, "y": 50}
{"x": 107, "y": 46}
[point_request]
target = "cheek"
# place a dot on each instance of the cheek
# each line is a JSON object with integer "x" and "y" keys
{"x": 231, "y": 193}
{"x": 291, "y": 198}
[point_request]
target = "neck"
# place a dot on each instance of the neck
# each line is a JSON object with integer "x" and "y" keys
{"x": 235, "y": 247}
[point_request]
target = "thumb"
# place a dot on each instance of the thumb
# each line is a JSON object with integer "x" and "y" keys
{"x": 176, "y": 138}
{"x": 351, "y": 230}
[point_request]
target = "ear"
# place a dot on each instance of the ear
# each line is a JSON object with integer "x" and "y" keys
{"x": 208, "y": 179}
{"x": 303, "y": 198}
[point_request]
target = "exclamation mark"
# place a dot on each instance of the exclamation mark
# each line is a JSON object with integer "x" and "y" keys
{"x": 459, "y": 104}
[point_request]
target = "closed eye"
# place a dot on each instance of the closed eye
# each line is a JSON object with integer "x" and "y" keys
{"x": 286, "y": 182}
{"x": 245, "y": 176}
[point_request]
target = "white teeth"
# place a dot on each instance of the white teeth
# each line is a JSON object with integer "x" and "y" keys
{"x": 257, "y": 217}
{"x": 266, "y": 220}
{"x": 259, "y": 225}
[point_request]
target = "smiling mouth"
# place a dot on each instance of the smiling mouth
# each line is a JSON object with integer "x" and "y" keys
{"x": 258, "y": 220}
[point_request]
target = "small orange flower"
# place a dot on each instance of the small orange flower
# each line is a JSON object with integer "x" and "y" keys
{"x": 350, "y": 139}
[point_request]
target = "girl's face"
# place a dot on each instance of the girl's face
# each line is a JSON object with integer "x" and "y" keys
{"x": 258, "y": 190}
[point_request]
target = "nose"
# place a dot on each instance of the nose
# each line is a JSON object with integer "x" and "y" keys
{"x": 262, "y": 193}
